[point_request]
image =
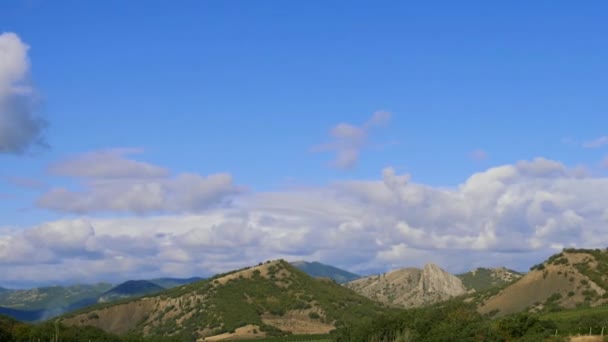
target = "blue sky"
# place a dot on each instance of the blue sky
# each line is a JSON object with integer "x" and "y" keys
{"x": 253, "y": 89}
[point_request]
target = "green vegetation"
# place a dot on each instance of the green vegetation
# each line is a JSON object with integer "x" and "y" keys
{"x": 224, "y": 307}
{"x": 595, "y": 268}
{"x": 450, "y": 321}
{"x": 483, "y": 279}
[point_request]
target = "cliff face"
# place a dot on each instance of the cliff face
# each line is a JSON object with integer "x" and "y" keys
{"x": 410, "y": 287}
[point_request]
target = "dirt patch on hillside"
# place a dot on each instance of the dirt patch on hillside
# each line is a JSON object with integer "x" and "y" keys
{"x": 586, "y": 339}
{"x": 248, "y": 273}
{"x": 299, "y": 322}
{"x": 117, "y": 319}
{"x": 247, "y": 332}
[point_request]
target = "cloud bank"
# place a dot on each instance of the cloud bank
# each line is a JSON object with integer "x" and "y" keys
{"x": 20, "y": 128}
{"x": 112, "y": 182}
{"x": 511, "y": 215}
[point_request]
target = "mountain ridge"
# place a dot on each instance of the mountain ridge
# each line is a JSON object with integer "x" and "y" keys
{"x": 271, "y": 298}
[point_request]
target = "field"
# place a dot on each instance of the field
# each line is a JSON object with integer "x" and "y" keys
{"x": 581, "y": 321}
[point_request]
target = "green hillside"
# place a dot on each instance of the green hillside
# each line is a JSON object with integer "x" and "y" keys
{"x": 169, "y": 283}
{"x": 131, "y": 288}
{"x": 482, "y": 279}
{"x": 275, "y": 298}
{"x": 317, "y": 269}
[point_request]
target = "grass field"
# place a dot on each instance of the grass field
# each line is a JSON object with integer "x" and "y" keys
{"x": 581, "y": 321}
{"x": 575, "y": 313}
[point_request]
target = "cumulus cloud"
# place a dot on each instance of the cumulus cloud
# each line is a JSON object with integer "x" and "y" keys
{"x": 348, "y": 140}
{"x": 596, "y": 143}
{"x": 511, "y": 215}
{"x": 111, "y": 182}
{"x": 20, "y": 128}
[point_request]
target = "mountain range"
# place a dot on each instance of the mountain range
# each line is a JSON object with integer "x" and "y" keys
{"x": 277, "y": 297}
{"x": 42, "y": 303}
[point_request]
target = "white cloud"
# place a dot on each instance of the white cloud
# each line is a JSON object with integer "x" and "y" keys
{"x": 110, "y": 182}
{"x": 511, "y": 215}
{"x": 596, "y": 143}
{"x": 348, "y": 140}
{"x": 20, "y": 128}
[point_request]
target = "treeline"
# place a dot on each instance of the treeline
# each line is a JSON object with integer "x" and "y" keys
{"x": 14, "y": 331}
{"x": 452, "y": 321}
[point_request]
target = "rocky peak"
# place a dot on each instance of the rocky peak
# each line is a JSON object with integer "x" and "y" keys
{"x": 436, "y": 281}
{"x": 410, "y": 287}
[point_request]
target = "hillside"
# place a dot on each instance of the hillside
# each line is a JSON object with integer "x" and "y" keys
{"x": 410, "y": 287}
{"x": 317, "y": 269}
{"x": 269, "y": 299}
{"x": 572, "y": 278}
{"x": 131, "y": 288}
{"x": 482, "y": 279}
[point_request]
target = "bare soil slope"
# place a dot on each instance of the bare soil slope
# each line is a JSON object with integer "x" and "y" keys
{"x": 563, "y": 281}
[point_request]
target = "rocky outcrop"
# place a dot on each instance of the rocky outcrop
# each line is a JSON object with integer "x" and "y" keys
{"x": 410, "y": 287}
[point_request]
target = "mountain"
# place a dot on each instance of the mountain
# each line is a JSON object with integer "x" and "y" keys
{"x": 169, "y": 283}
{"x": 317, "y": 269}
{"x": 272, "y": 298}
{"x": 23, "y": 315}
{"x": 46, "y": 302}
{"x": 410, "y": 287}
{"x": 482, "y": 279}
{"x": 572, "y": 278}
{"x": 36, "y": 304}
{"x": 131, "y": 288}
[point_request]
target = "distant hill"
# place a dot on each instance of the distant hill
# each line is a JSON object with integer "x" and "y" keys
{"x": 30, "y": 305}
{"x": 317, "y": 269}
{"x": 572, "y": 278}
{"x": 169, "y": 283}
{"x": 410, "y": 287}
{"x": 273, "y": 298}
{"x": 51, "y": 297}
{"x": 482, "y": 279}
{"x": 46, "y": 302}
{"x": 131, "y": 288}
{"x": 23, "y": 315}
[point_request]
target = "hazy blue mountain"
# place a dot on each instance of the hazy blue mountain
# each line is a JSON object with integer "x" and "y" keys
{"x": 50, "y": 297}
{"x": 168, "y": 283}
{"x": 317, "y": 269}
{"x": 131, "y": 288}
{"x": 23, "y": 315}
